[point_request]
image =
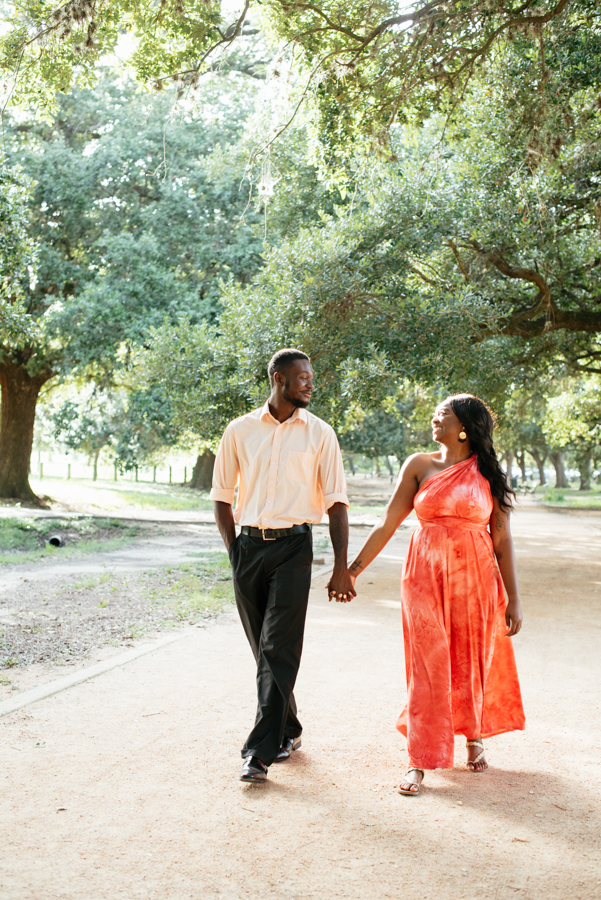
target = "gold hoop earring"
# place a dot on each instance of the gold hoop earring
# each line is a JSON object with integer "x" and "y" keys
{"x": 462, "y": 437}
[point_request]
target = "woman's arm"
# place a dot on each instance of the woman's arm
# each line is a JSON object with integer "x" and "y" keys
{"x": 503, "y": 547}
{"x": 399, "y": 507}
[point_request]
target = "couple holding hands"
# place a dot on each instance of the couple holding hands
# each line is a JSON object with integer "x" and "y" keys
{"x": 461, "y": 673}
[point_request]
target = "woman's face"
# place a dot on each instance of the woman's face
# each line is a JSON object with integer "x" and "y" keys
{"x": 446, "y": 427}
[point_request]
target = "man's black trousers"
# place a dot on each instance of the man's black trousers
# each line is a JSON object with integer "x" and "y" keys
{"x": 271, "y": 583}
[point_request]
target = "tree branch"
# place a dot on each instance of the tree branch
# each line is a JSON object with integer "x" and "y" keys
{"x": 226, "y": 39}
{"x": 422, "y": 276}
{"x": 459, "y": 261}
{"x": 544, "y": 297}
{"x": 532, "y": 326}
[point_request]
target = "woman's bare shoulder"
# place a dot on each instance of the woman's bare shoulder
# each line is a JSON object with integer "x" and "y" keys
{"x": 419, "y": 461}
{"x": 416, "y": 466}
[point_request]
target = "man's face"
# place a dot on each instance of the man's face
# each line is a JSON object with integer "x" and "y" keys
{"x": 297, "y": 383}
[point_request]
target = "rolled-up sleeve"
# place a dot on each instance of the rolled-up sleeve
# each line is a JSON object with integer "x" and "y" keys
{"x": 331, "y": 471}
{"x": 227, "y": 469}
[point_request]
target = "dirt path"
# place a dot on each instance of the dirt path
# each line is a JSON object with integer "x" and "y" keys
{"x": 63, "y": 608}
{"x": 126, "y": 786}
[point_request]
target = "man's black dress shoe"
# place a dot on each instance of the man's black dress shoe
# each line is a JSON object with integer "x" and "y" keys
{"x": 289, "y": 745}
{"x": 253, "y": 770}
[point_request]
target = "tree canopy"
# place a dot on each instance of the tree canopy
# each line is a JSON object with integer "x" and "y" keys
{"x": 454, "y": 263}
{"x": 134, "y": 220}
{"x": 464, "y": 255}
{"x": 365, "y": 65}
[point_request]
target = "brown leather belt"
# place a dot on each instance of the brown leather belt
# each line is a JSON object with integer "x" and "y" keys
{"x": 273, "y": 534}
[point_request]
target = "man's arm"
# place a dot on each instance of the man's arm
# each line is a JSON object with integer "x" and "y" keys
{"x": 344, "y": 591}
{"x": 224, "y": 517}
{"x": 333, "y": 483}
{"x": 225, "y": 476}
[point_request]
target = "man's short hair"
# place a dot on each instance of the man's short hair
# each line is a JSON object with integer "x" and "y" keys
{"x": 282, "y": 360}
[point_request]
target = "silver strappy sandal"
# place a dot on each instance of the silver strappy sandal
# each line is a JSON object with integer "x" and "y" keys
{"x": 410, "y": 792}
{"x": 472, "y": 762}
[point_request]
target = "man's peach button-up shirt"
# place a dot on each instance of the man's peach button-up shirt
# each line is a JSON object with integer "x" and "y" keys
{"x": 287, "y": 472}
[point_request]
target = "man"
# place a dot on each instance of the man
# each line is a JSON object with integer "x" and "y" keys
{"x": 289, "y": 468}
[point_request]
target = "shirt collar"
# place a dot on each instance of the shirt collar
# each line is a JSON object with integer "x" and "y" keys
{"x": 299, "y": 414}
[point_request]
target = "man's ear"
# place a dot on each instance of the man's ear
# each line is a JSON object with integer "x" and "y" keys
{"x": 278, "y": 378}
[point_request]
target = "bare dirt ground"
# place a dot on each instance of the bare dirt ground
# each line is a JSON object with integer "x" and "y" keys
{"x": 60, "y": 610}
{"x": 126, "y": 787}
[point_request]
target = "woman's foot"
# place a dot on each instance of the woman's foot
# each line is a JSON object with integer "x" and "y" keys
{"x": 411, "y": 782}
{"x": 476, "y": 760}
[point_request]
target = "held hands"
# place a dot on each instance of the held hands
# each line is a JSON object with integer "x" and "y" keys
{"x": 513, "y": 618}
{"x": 341, "y": 586}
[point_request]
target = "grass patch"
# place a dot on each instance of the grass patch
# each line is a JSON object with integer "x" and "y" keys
{"x": 572, "y": 499}
{"x": 375, "y": 510}
{"x": 113, "y": 608}
{"x": 9, "y": 663}
{"x": 92, "y": 581}
{"x": 84, "y": 493}
{"x": 166, "y": 499}
{"x": 321, "y": 544}
{"x": 26, "y": 540}
{"x": 554, "y": 496}
{"x": 197, "y": 590}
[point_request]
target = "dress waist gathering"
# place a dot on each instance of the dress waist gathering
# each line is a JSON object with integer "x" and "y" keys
{"x": 452, "y": 522}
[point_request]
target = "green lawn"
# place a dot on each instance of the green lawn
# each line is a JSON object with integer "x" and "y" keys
{"x": 26, "y": 540}
{"x": 376, "y": 511}
{"x": 199, "y": 588}
{"x": 169, "y": 498}
{"x": 570, "y": 498}
{"x": 84, "y": 494}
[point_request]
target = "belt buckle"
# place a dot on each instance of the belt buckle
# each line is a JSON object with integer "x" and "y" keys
{"x": 263, "y": 530}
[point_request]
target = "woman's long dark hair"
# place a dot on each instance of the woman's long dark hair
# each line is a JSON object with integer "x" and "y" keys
{"x": 478, "y": 423}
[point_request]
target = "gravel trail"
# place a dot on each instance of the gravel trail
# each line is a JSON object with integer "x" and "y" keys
{"x": 126, "y": 787}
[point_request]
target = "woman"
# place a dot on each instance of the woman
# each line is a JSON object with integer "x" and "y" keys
{"x": 461, "y": 674}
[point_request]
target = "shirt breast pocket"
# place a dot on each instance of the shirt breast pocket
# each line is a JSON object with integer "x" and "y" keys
{"x": 300, "y": 467}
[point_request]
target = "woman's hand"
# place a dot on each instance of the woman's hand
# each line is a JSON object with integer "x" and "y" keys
{"x": 513, "y": 617}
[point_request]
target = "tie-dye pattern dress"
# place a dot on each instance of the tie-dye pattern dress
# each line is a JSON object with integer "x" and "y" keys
{"x": 461, "y": 672}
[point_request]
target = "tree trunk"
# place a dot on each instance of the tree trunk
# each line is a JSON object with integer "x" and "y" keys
{"x": 351, "y": 462}
{"x": 202, "y": 475}
{"x": 557, "y": 457}
{"x": 388, "y": 466}
{"x": 540, "y": 465}
{"x": 584, "y": 467}
{"x": 17, "y": 415}
{"x": 521, "y": 458}
{"x": 509, "y": 465}
{"x": 95, "y": 464}
{"x": 377, "y": 464}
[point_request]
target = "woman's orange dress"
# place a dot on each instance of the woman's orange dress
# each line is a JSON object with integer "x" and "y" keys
{"x": 461, "y": 672}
